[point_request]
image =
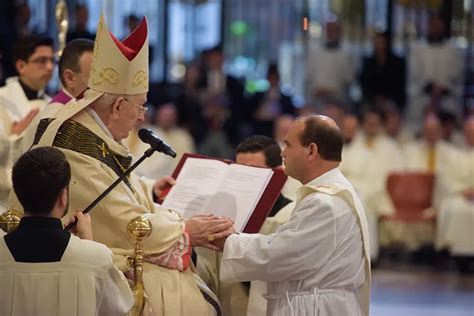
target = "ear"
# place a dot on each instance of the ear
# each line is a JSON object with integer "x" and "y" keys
{"x": 20, "y": 65}
{"x": 62, "y": 199}
{"x": 117, "y": 107}
{"x": 313, "y": 151}
{"x": 69, "y": 77}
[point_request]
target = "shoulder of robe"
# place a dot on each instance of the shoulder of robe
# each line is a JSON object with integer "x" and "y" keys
{"x": 76, "y": 137}
{"x": 89, "y": 251}
{"x": 311, "y": 195}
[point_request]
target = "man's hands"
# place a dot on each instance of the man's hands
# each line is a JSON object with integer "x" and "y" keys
{"x": 83, "y": 228}
{"x": 19, "y": 126}
{"x": 162, "y": 184}
{"x": 207, "y": 230}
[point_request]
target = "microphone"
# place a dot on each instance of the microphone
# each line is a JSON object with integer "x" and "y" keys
{"x": 147, "y": 136}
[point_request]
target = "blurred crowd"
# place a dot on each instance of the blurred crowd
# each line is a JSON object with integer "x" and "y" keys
{"x": 411, "y": 117}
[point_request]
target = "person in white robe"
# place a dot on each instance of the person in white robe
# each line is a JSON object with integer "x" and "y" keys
{"x": 45, "y": 270}
{"x": 396, "y": 130}
{"x": 22, "y": 97}
{"x": 456, "y": 213}
{"x": 436, "y": 74}
{"x": 367, "y": 161}
{"x": 258, "y": 151}
{"x": 330, "y": 67}
{"x": 430, "y": 154}
{"x": 318, "y": 263}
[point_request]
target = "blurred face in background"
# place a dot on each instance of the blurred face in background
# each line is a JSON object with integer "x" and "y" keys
{"x": 215, "y": 60}
{"x": 281, "y": 127}
{"x": 380, "y": 44}
{"x": 372, "y": 124}
{"x": 436, "y": 28}
{"x": 432, "y": 131}
{"x": 82, "y": 15}
{"x": 166, "y": 116}
{"x": 335, "y": 112}
{"x": 333, "y": 32}
{"x": 350, "y": 127}
{"x": 393, "y": 124}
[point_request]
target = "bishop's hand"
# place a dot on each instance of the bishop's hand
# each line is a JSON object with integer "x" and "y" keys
{"x": 203, "y": 230}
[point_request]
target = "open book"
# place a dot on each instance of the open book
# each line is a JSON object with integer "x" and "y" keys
{"x": 206, "y": 186}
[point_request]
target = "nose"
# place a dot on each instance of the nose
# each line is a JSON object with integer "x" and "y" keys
{"x": 50, "y": 65}
{"x": 141, "y": 117}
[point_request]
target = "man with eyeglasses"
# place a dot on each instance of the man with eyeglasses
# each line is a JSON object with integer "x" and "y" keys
{"x": 74, "y": 68}
{"x": 22, "y": 97}
{"x": 89, "y": 132}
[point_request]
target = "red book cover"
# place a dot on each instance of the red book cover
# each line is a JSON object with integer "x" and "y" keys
{"x": 264, "y": 204}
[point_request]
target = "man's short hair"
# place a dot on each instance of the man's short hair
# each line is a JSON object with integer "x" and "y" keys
{"x": 25, "y": 47}
{"x": 259, "y": 143}
{"x": 329, "y": 139}
{"x": 72, "y": 53}
{"x": 38, "y": 177}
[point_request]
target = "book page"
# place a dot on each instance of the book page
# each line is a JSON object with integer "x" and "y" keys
{"x": 239, "y": 193}
{"x": 197, "y": 182}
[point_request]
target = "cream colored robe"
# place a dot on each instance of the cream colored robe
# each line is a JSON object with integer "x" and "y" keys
{"x": 14, "y": 105}
{"x": 170, "y": 292}
{"x": 84, "y": 283}
{"x": 316, "y": 264}
{"x": 29, "y": 134}
{"x": 367, "y": 169}
{"x": 455, "y": 219}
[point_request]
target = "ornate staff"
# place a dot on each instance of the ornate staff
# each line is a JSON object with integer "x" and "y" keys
{"x": 62, "y": 23}
{"x": 139, "y": 228}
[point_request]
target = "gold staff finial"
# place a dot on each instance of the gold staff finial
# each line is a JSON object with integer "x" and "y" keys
{"x": 139, "y": 228}
{"x": 62, "y": 22}
{"x": 10, "y": 220}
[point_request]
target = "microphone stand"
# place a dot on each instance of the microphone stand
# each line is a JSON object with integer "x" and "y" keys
{"x": 147, "y": 154}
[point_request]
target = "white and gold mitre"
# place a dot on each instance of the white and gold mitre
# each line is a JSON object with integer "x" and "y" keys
{"x": 120, "y": 67}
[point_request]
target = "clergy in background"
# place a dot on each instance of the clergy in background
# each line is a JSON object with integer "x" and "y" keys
{"x": 368, "y": 160}
{"x": 21, "y": 99}
{"x": 456, "y": 213}
{"x": 74, "y": 67}
{"x": 330, "y": 67}
{"x": 319, "y": 261}
{"x": 436, "y": 73}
